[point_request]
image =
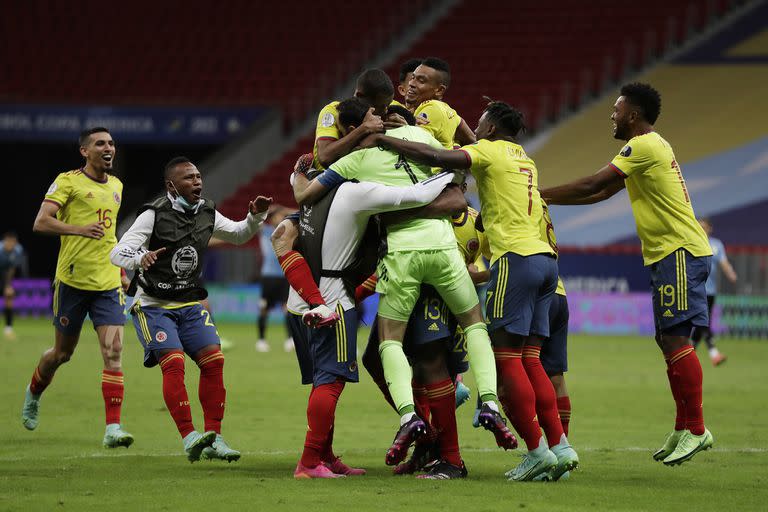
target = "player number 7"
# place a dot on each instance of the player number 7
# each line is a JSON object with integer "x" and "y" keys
{"x": 529, "y": 172}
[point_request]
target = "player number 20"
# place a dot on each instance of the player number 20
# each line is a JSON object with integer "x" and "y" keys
{"x": 667, "y": 295}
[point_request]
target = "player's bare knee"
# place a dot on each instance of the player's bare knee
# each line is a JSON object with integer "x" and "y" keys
{"x": 284, "y": 237}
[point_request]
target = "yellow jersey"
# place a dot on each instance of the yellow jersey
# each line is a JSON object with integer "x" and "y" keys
{"x": 468, "y": 238}
{"x": 660, "y": 200}
{"x": 83, "y": 263}
{"x": 547, "y": 231}
{"x": 508, "y": 183}
{"x": 327, "y": 128}
{"x": 442, "y": 121}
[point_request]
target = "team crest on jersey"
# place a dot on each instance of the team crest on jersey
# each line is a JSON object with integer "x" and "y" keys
{"x": 64, "y": 321}
{"x": 328, "y": 120}
{"x": 424, "y": 116}
{"x": 473, "y": 245}
{"x": 184, "y": 261}
{"x": 161, "y": 336}
{"x": 53, "y": 188}
{"x": 116, "y": 197}
{"x": 626, "y": 151}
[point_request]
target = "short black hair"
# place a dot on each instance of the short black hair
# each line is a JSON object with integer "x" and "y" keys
{"x": 409, "y": 66}
{"x": 506, "y": 118}
{"x": 86, "y": 134}
{"x": 173, "y": 162}
{"x": 374, "y": 83}
{"x": 404, "y": 112}
{"x": 441, "y": 66}
{"x": 644, "y": 97}
{"x": 10, "y": 234}
{"x": 352, "y": 111}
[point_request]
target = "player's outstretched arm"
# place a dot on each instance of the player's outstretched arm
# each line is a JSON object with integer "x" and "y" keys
{"x": 240, "y": 232}
{"x": 307, "y": 191}
{"x": 450, "y": 202}
{"x": 329, "y": 150}
{"x": 592, "y": 189}
{"x": 46, "y": 223}
{"x": 418, "y": 152}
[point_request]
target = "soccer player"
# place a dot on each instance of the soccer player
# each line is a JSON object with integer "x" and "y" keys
{"x": 419, "y": 251}
{"x": 81, "y": 207}
{"x": 523, "y": 279}
{"x": 274, "y": 286}
{"x": 719, "y": 261}
{"x": 674, "y": 246}
{"x": 166, "y": 246}
{"x": 332, "y": 231}
{"x": 406, "y": 73}
{"x": 11, "y": 257}
{"x": 426, "y": 89}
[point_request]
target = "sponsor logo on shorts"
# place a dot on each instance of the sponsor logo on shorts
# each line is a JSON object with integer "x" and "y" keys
{"x": 161, "y": 336}
{"x": 64, "y": 321}
{"x": 353, "y": 366}
{"x": 328, "y": 120}
{"x": 433, "y": 327}
{"x": 668, "y": 314}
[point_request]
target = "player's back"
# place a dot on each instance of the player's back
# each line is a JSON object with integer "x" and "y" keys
{"x": 660, "y": 201}
{"x": 84, "y": 262}
{"x": 507, "y": 180}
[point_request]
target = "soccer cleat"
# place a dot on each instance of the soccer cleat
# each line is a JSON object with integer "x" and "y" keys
{"x": 718, "y": 359}
{"x": 288, "y": 345}
{"x": 535, "y": 462}
{"x": 319, "y": 471}
{"x": 567, "y": 459}
{"x": 462, "y": 394}
{"x": 340, "y": 468}
{"x": 30, "y": 410}
{"x": 195, "y": 443}
{"x": 220, "y": 450}
{"x": 406, "y": 435}
{"x": 115, "y": 436}
{"x": 445, "y": 471}
{"x": 8, "y": 333}
{"x": 320, "y": 316}
{"x": 262, "y": 346}
{"x": 670, "y": 443}
{"x": 425, "y": 454}
{"x": 493, "y": 421}
{"x": 688, "y": 446}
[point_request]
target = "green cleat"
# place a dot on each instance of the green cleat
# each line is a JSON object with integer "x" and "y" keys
{"x": 195, "y": 443}
{"x": 30, "y": 410}
{"x": 688, "y": 446}
{"x": 115, "y": 436}
{"x": 220, "y": 450}
{"x": 535, "y": 462}
{"x": 567, "y": 459}
{"x": 670, "y": 443}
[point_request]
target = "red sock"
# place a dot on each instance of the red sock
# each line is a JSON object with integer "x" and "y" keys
{"x": 211, "y": 390}
{"x": 686, "y": 369}
{"x": 442, "y": 404}
{"x": 366, "y": 289}
{"x": 321, "y": 413}
{"x": 39, "y": 382}
{"x": 421, "y": 401}
{"x": 175, "y": 393}
{"x": 519, "y": 397}
{"x": 300, "y": 278}
{"x": 112, "y": 391}
{"x": 564, "y": 410}
{"x": 327, "y": 455}
{"x": 546, "y": 399}
{"x": 679, "y": 406}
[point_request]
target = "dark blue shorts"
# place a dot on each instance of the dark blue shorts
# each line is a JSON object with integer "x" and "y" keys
{"x": 301, "y": 336}
{"x": 519, "y": 294}
{"x": 679, "y": 293}
{"x": 554, "y": 351}
{"x": 328, "y": 353}
{"x": 188, "y": 328}
{"x": 70, "y": 305}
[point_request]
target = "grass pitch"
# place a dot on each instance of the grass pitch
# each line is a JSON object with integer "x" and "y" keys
{"x": 622, "y": 409}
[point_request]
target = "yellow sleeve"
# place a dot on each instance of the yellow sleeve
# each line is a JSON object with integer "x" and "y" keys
{"x": 634, "y": 157}
{"x": 327, "y": 127}
{"x": 478, "y": 158}
{"x": 431, "y": 112}
{"x": 60, "y": 190}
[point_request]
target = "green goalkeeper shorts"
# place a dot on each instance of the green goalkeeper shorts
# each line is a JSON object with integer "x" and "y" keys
{"x": 402, "y": 273}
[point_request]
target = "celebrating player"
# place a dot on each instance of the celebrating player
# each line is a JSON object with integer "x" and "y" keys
{"x": 81, "y": 207}
{"x": 674, "y": 246}
{"x": 166, "y": 246}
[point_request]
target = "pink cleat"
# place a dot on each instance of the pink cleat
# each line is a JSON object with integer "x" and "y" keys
{"x": 340, "y": 468}
{"x": 320, "y": 316}
{"x": 320, "y": 471}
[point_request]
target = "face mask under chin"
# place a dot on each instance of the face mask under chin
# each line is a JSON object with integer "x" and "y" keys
{"x": 181, "y": 202}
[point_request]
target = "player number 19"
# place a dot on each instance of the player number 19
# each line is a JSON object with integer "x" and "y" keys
{"x": 667, "y": 295}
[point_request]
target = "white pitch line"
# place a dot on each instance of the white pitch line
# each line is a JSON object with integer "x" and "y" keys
{"x": 280, "y": 453}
